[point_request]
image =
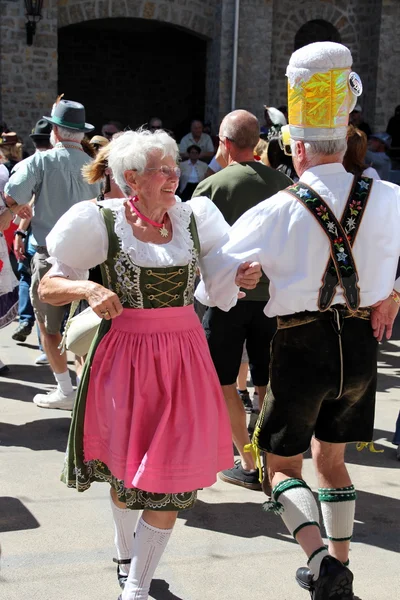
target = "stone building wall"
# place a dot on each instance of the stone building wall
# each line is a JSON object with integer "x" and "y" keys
{"x": 388, "y": 87}
{"x": 254, "y": 59}
{"x": 357, "y": 22}
{"x": 28, "y": 75}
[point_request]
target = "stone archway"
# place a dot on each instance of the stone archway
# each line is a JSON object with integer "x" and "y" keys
{"x": 190, "y": 24}
{"x": 290, "y": 22}
{"x": 196, "y": 16}
{"x": 108, "y": 65}
{"x": 316, "y": 30}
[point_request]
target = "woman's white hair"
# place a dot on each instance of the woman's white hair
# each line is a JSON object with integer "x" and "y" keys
{"x": 131, "y": 150}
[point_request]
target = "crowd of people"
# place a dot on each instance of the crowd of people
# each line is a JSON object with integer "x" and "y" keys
{"x": 174, "y": 298}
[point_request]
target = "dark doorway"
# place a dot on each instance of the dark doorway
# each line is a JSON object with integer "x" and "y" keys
{"x": 129, "y": 70}
{"x": 317, "y": 30}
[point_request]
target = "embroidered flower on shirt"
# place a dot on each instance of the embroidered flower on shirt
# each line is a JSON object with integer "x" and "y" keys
{"x": 351, "y": 224}
{"x": 322, "y": 212}
{"x": 119, "y": 269}
{"x": 355, "y": 207}
{"x": 341, "y": 255}
{"x": 331, "y": 227}
{"x": 364, "y": 185}
{"x": 303, "y": 193}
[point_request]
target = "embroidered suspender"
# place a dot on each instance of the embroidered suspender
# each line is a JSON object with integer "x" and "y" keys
{"x": 341, "y": 268}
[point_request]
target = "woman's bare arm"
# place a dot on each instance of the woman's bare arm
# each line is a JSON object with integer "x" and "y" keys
{"x": 59, "y": 291}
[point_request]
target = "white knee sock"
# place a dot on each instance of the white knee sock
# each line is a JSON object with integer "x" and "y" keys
{"x": 294, "y": 501}
{"x": 149, "y": 545}
{"x": 64, "y": 382}
{"x": 298, "y": 506}
{"x": 338, "y": 507}
{"x": 125, "y": 521}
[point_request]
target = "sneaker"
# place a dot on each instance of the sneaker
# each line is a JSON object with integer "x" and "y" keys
{"x": 398, "y": 452}
{"x": 55, "y": 399}
{"x": 245, "y": 397}
{"x": 238, "y": 476}
{"x": 335, "y": 581}
{"x": 22, "y": 331}
{"x": 42, "y": 359}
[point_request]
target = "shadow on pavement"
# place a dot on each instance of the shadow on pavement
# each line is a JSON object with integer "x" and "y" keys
{"x": 242, "y": 519}
{"x": 19, "y": 391}
{"x": 376, "y": 516}
{"x": 31, "y": 373}
{"x": 386, "y": 459}
{"x": 159, "y": 590}
{"x": 14, "y": 516}
{"x": 43, "y": 434}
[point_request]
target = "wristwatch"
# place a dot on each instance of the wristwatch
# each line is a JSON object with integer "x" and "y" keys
{"x": 21, "y": 233}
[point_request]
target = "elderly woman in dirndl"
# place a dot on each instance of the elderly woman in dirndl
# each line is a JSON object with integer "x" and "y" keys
{"x": 150, "y": 418}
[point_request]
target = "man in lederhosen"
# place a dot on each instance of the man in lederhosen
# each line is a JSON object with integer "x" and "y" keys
{"x": 329, "y": 246}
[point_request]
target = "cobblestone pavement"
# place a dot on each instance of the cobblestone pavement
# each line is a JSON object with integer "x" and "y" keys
{"x": 58, "y": 545}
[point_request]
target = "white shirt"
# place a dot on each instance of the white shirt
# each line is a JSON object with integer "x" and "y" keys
{"x": 79, "y": 240}
{"x": 193, "y": 176}
{"x": 205, "y": 142}
{"x": 371, "y": 172}
{"x": 293, "y": 250}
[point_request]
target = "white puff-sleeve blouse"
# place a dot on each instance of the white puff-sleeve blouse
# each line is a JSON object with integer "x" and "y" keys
{"x": 79, "y": 240}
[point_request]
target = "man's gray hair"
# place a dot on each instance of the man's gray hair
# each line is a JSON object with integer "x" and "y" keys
{"x": 322, "y": 147}
{"x": 242, "y": 127}
{"x": 70, "y": 134}
{"x": 131, "y": 150}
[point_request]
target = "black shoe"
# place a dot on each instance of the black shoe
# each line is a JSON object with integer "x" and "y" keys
{"x": 4, "y": 369}
{"x": 335, "y": 581}
{"x": 22, "y": 331}
{"x": 245, "y": 397}
{"x": 238, "y": 476}
{"x": 121, "y": 577}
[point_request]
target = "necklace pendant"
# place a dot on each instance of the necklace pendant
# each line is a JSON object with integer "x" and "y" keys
{"x": 164, "y": 232}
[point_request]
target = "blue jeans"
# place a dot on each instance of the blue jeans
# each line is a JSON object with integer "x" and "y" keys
{"x": 25, "y": 309}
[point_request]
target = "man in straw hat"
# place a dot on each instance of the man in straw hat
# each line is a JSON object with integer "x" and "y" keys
{"x": 330, "y": 246}
{"x": 56, "y": 180}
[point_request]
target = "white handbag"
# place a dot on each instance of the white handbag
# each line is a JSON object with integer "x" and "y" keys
{"x": 80, "y": 330}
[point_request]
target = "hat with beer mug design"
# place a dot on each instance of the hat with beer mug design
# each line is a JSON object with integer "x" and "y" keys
{"x": 322, "y": 91}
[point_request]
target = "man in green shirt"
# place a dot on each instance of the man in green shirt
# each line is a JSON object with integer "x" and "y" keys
{"x": 241, "y": 185}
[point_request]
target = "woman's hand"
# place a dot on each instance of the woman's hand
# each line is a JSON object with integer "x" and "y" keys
{"x": 104, "y": 302}
{"x": 248, "y": 275}
{"x": 24, "y": 211}
{"x": 19, "y": 248}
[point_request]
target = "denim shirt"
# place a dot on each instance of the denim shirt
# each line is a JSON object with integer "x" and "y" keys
{"x": 55, "y": 178}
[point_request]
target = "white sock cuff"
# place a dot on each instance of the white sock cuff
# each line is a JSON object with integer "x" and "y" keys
{"x": 338, "y": 509}
{"x": 299, "y": 508}
{"x": 143, "y": 523}
{"x": 64, "y": 382}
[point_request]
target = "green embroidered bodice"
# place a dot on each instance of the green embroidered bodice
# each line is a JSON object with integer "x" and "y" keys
{"x": 148, "y": 287}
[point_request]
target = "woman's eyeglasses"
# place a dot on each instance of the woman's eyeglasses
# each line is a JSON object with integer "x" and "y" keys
{"x": 167, "y": 171}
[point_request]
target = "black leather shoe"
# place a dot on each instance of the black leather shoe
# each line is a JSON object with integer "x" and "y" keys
{"x": 121, "y": 577}
{"x": 335, "y": 581}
